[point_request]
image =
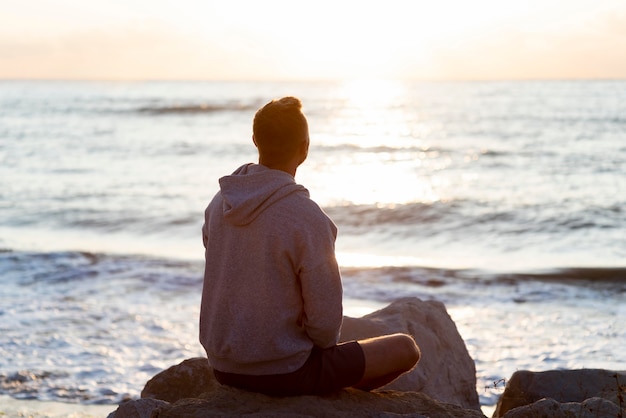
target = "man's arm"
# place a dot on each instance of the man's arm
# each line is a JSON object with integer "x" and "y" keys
{"x": 322, "y": 298}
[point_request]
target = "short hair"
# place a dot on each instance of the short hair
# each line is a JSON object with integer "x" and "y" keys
{"x": 279, "y": 128}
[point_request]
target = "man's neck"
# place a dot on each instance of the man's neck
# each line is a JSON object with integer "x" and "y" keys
{"x": 289, "y": 167}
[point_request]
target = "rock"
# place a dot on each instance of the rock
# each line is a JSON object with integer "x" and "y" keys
{"x": 442, "y": 385}
{"x": 189, "y": 379}
{"x": 137, "y": 409}
{"x": 208, "y": 398}
{"x": 446, "y": 372}
{"x": 231, "y": 402}
{"x": 563, "y": 387}
{"x": 549, "y": 408}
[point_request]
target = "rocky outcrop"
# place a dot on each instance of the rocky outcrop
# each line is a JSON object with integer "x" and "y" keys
{"x": 549, "y": 408}
{"x": 191, "y": 391}
{"x": 446, "y": 372}
{"x": 230, "y": 402}
{"x": 556, "y": 393}
{"x": 442, "y": 385}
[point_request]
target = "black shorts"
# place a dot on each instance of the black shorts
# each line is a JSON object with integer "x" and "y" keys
{"x": 326, "y": 370}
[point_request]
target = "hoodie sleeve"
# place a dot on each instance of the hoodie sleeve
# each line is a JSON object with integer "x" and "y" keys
{"x": 321, "y": 287}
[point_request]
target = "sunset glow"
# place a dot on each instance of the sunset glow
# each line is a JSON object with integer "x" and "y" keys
{"x": 277, "y": 39}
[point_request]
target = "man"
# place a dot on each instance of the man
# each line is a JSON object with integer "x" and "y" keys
{"x": 272, "y": 298}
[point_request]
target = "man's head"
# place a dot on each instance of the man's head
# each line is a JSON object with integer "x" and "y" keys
{"x": 281, "y": 133}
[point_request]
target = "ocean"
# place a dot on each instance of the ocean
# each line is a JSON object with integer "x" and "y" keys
{"x": 504, "y": 200}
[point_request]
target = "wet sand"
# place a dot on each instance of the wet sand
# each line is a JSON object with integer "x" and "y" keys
{"x": 10, "y": 408}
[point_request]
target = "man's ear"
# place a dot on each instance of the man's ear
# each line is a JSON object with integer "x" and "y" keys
{"x": 304, "y": 150}
{"x": 254, "y": 140}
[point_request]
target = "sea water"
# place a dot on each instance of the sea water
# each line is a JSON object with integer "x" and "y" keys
{"x": 504, "y": 200}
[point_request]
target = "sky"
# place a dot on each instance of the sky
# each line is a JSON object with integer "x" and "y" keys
{"x": 313, "y": 40}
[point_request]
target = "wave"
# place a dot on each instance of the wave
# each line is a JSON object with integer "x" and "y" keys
{"x": 439, "y": 277}
{"x": 77, "y": 318}
{"x": 573, "y": 275}
{"x": 29, "y": 385}
{"x": 71, "y": 268}
{"x": 198, "y": 108}
{"x": 412, "y": 150}
{"x": 453, "y": 221}
{"x": 371, "y": 215}
{"x": 472, "y": 286}
{"x": 471, "y": 215}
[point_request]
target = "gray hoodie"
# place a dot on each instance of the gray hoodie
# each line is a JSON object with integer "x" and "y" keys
{"x": 272, "y": 287}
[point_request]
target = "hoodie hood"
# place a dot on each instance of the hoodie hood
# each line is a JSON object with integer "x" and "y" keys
{"x": 251, "y": 189}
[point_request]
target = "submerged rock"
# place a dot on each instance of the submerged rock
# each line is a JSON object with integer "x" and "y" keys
{"x": 582, "y": 392}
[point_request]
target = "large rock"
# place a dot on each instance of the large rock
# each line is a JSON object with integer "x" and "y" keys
{"x": 445, "y": 376}
{"x": 561, "y": 387}
{"x": 446, "y": 372}
{"x": 348, "y": 403}
{"x": 549, "y": 408}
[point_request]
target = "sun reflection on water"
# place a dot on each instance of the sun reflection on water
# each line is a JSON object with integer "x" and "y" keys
{"x": 372, "y": 92}
{"x": 388, "y": 160}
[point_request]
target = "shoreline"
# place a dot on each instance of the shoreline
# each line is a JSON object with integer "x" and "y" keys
{"x": 33, "y": 408}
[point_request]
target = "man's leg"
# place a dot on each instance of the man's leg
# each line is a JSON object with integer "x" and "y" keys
{"x": 386, "y": 358}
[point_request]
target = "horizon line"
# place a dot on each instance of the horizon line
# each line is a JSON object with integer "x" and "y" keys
{"x": 311, "y": 80}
